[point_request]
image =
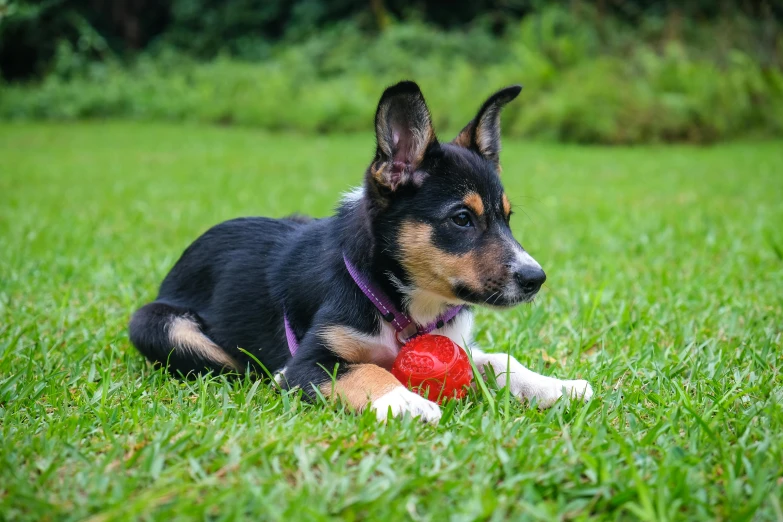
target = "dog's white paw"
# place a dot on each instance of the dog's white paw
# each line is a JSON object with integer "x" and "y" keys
{"x": 576, "y": 389}
{"x": 579, "y": 389}
{"x": 401, "y": 401}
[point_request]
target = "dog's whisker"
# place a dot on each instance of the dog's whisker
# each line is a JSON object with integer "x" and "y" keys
{"x": 494, "y": 294}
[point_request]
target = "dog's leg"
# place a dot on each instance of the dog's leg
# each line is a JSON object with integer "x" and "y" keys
{"x": 365, "y": 385}
{"x": 338, "y": 366}
{"x": 526, "y": 384}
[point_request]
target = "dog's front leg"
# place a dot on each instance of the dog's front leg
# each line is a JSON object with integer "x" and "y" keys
{"x": 527, "y": 384}
{"x": 336, "y": 362}
{"x": 364, "y": 385}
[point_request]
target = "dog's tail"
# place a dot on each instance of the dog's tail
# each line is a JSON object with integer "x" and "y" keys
{"x": 172, "y": 336}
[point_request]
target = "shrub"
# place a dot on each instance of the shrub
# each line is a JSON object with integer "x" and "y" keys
{"x": 579, "y": 87}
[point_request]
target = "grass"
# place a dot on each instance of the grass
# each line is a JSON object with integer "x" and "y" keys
{"x": 665, "y": 291}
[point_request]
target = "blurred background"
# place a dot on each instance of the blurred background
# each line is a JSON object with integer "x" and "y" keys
{"x": 611, "y": 71}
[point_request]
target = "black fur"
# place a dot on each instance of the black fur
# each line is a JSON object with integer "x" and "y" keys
{"x": 236, "y": 280}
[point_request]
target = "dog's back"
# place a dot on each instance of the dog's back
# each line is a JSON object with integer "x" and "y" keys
{"x": 217, "y": 297}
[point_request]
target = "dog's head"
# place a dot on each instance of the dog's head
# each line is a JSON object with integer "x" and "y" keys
{"x": 439, "y": 209}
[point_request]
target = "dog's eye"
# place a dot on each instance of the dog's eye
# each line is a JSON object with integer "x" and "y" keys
{"x": 462, "y": 219}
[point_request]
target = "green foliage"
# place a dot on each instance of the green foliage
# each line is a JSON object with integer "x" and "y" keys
{"x": 32, "y": 30}
{"x": 242, "y": 28}
{"x": 580, "y": 86}
{"x": 245, "y": 29}
{"x": 665, "y": 290}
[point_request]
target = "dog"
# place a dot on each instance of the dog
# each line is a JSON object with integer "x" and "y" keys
{"x": 325, "y": 304}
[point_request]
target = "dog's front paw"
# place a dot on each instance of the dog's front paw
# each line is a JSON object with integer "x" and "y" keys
{"x": 401, "y": 401}
{"x": 576, "y": 389}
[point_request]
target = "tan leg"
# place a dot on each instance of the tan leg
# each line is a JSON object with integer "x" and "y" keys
{"x": 370, "y": 385}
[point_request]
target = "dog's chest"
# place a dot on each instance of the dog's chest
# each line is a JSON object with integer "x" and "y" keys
{"x": 384, "y": 347}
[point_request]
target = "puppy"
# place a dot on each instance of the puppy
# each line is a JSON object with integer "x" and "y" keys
{"x": 325, "y": 304}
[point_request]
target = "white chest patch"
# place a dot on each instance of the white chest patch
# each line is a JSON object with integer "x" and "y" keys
{"x": 384, "y": 347}
{"x": 387, "y": 347}
{"x": 460, "y": 330}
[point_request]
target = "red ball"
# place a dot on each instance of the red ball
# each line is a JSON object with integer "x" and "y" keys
{"x": 435, "y": 367}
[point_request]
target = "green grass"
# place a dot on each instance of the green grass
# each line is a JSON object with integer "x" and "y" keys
{"x": 665, "y": 291}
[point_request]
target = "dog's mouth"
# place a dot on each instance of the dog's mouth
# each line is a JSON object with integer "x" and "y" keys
{"x": 494, "y": 297}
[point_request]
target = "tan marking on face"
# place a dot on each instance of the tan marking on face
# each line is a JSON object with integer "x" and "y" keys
{"x": 431, "y": 268}
{"x": 186, "y": 337}
{"x": 473, "y": 202}
{"x": 506, "y": 206}
{"x": 437, "y": 271}
{"x": 489, "y": 261}
{"x": 360, "y": 385}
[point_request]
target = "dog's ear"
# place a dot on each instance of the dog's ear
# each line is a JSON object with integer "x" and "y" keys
{"x": 482, "y": 134}
{"x": 403, "y": 129}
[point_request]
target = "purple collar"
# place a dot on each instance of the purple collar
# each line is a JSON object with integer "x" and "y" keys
{"x": 398, "y": 320}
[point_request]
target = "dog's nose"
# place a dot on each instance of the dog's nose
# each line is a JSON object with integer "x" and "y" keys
{"x": 530, "y": 279}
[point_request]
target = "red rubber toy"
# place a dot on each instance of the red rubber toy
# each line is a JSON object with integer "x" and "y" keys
{"x": 435, "y": 367}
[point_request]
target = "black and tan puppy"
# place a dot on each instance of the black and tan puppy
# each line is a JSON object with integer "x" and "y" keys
{"x": 429, "y": 228}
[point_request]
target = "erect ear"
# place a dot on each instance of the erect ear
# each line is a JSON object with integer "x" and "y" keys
{"x": 403, "y": 130}
{"x": 482, "y": 134}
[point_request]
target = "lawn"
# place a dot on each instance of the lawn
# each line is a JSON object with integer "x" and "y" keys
{"x": 664, "y": 290}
